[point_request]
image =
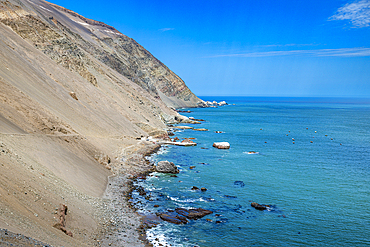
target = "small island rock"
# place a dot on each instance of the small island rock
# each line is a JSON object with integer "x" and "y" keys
{"x": 221, "y": 145}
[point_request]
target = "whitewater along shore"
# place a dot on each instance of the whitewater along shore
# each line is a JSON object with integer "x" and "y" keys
{"x": 126, "y": 226}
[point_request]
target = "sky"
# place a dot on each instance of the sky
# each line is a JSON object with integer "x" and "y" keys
{"x": 311, "y": 48}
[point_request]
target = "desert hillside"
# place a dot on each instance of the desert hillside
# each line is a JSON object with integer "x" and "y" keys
{"x": 76, "y": 96}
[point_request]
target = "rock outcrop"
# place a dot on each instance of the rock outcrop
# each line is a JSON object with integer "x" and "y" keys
{"x": 166, "y": 167}
{"x": 259, "y": 206}
{"x": 182, "y": 215}
{"x": 193, "y": 214}
{"x": 221, "y": 145}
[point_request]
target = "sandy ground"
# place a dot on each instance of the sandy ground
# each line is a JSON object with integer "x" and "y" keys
{"x": 57, "y": 150}
{"x": 98, "y": 213}
{"x": 63, "y": 135}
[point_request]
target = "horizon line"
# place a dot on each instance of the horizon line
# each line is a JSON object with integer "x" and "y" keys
{"x": 339, "y": 52}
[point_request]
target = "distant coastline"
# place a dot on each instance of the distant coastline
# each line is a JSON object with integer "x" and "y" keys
{"x": 285, "y": 99}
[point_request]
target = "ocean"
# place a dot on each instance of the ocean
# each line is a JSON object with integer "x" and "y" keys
{"x": 307, "y": 158}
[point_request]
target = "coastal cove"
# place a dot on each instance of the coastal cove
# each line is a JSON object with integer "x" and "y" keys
{"x": 304, "y": 157}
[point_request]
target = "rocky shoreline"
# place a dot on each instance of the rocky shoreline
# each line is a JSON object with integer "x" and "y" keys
{"x": 126, "y": 227}
{"x": 141, "y": 168}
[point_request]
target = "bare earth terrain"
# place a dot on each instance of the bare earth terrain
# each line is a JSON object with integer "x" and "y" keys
{"x": 76, "y": 96}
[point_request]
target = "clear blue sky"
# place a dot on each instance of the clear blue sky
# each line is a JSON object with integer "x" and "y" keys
{"x": 250, "y": 47}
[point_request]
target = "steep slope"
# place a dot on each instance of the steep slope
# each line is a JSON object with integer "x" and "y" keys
{"x": 62, "y": 34}
{"x": 75, "y": 96}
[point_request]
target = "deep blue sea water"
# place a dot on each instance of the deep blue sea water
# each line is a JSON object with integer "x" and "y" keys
{"x": 318, "y": 186}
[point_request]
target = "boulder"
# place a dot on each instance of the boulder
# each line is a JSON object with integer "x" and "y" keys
{"x": 173, "y": 218}
{"x": 258, "y": 206}
{"x": 193, "y": 214}
{"x": 221, "y": 145}
{"x": 183, "y": 119}
{"x": 186, "y": 140}
{"x": 166, "y": 167}
{"x": 73, "y": 95}
{"x": 227, "y": 196}
{"x": 239, "y": 183}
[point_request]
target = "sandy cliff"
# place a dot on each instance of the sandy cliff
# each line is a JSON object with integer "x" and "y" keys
{"x": 75, "y": 95}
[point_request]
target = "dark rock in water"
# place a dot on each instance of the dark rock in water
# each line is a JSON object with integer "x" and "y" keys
{"x": 258, "y": 206}
{"x": 195, "y": 188}
{"x": 149, "y": 221}
{"x": 237, "y": 209}
{"x": 170, "y": 133}
{"x": 173, "y": 176}
{"x": 239, "y": 183}
{"x": 180, "y": 215}
{"x": 141, "y": 176}
{"x": 227, "y": 196}
{"x": 173, "y": 218}
{"x": 203, "y": 189}
{"x": 191, "y": 167}
{"x": 141, "y": 191}
{"x": 166, "y": 167}
{"x": 193, "y": 214}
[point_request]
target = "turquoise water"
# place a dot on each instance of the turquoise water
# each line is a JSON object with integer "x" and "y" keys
{"x": 318, "y": 186}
